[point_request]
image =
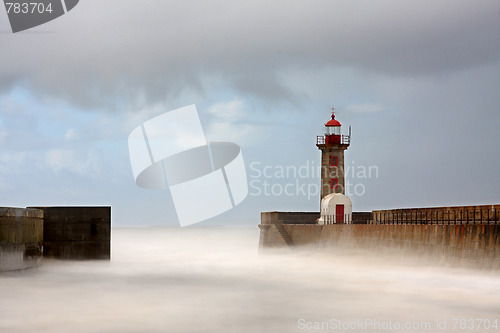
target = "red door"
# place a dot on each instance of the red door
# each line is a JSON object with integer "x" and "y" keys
{"x": 339, "y": 212}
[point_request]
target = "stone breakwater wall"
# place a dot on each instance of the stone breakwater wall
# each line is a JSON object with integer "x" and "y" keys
{"x": 21, "y": 238}
{"x": 75, "y": 233}
{"x": 475, "y": 245}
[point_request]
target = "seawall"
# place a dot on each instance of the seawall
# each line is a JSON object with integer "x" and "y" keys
{"x": 76, "y": 233}
{"x": 471, "y": 244}
{"x": 21, "y": 238}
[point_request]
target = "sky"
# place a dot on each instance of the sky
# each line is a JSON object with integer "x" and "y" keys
{"x": 417, "y": 81}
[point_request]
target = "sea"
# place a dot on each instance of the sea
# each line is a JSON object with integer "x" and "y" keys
{"x": 215, "y": 279}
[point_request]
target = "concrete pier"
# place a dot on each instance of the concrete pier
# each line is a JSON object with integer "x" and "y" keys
{"x": 21, "y": 238}
{"x": 77, "y": 232}
{"x": 472, "y": 241}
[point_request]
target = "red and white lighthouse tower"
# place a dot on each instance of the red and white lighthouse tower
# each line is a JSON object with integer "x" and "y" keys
{"x": 332, "y": 145}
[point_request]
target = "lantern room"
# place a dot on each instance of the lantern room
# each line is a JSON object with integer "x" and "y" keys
{"x": 333, "y": 135}
{"x": 332, "y": 131}
{"x": 332, "y": 127}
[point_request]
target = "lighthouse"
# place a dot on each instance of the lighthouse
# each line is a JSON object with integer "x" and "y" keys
{"x": 332, "y": 145}
{"x": 335, "y": 206}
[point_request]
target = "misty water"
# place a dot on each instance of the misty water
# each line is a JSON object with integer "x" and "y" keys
{"x": 214, "y": 280}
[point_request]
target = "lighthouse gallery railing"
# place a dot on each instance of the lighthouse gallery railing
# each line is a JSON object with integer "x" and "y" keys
{"x": 344, "y": 140}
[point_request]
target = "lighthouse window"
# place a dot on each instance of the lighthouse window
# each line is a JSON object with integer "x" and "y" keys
{"x": 335, "y": 182}
{"x": 332, "y": 130}
{"x": 334, "y": 161}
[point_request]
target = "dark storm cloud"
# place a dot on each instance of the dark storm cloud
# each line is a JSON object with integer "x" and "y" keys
{"x": 103, "y": 51}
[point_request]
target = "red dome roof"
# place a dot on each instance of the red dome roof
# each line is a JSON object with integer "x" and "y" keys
{"x": 332, "y": 122}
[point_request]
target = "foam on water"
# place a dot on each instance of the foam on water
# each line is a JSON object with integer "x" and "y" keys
{"x": 214, "y": 280}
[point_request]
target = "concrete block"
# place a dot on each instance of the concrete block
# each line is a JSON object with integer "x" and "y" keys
{"x": 77, "y": 232}
{"x": 20, "y": 243}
